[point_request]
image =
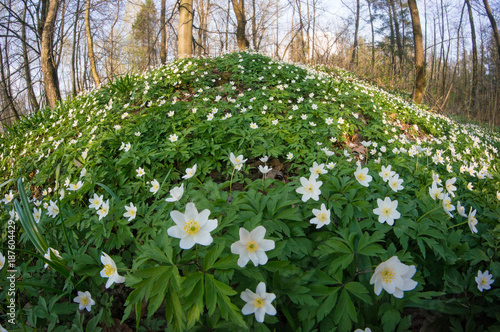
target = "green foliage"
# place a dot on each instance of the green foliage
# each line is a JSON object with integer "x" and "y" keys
{"x": 198, "y": 111}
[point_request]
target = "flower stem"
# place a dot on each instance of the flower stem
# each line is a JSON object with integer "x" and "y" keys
{"x": 462, "y": 223}
{"x": 428, "y": 213}
{"x": 231, "y": 182}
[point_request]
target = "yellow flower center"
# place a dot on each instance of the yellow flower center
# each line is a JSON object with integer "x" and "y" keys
{"x": 109, "y": 270}
{"x": 259, "y": 303}
{"x": 317, "y": 171}
{"x": 102, "y": 210}
{"x": 386, "y": 211}
{"x": 322, "y": 217}
{"x": 131, "y": 212}
{"x": 473, "y": 221}
{"x": 191, "y": 227}
{"x": 96, "y": 202}
{"x": 388, "y": 275}
{"x": 75, "y": 186}
{"x": 190, "y": 173}
{"x": 483, "y": 281}
{"x": 238, "y": 160}
{"x": 84, "y": 300}
{"x": 309, "y": 188}
{"x": 361, "y": 177}
{"x": 252, "y": 246}
{"x": 447, "y": 204}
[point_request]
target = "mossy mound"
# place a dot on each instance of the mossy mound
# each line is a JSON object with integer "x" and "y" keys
{"x": 132, "y": 141}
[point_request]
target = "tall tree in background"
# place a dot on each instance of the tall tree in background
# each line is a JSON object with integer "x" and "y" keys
{"x": 26, "y": 63}
{"x": 239, "y": 11}
{"x": 145, "y": 32}
{"x": 185, "y": 29}
{"x": 163, "y": 32}
{"x": 474, "y": 57}
{"x": 47, "y": 60}
{"x": 419, "y": 89}
{"x": 90, "y": 46}
{"x": 493, "y": 22}
{"x": 356, "y": 29}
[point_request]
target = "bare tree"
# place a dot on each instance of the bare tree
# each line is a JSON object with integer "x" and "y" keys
{"x": 185, "y": 29}
{"x": 90, "y": 43}
{"x": 493, "y": 22}
{"x": 239, "y": 11}
{"x": 48, "y": 63}
{"x": 419, "y": 89}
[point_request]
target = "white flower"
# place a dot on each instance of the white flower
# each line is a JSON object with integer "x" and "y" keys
{"x": 498, "y": 195}
{"x": 52, "y": 209}
{"x": 395, "y": 183}
{"x": 192, "y": 227}
{"x": 461, "y": 210}
{"x": 95, "y": 203}
{"x": 84, "y": 300}
{"x": 2, "y": 260}
{"x": 258, "y": 303}
{"x": 103, "y": 210}
{"x": 450, "y": 188}
{"x": 447, "y": 206}
{"x": 252, "y": 246}
{"x": 394, "y": 277}
{"x": 237, "y": 161}
{"x": 137, "y": 133}
{"x": 365, "y": 330}
{"x": 361, "y": 174}
{"x": 331, "y": 165}
{"x": 264, "y": 159}
{"x": 37, "y": 213}
{"x": 386, "y": 211}
{"x": 127, "y": 147}
{"x": 190, "y": 172}
{"x": 173, "y": 138}
{"x": 110, "y": 271}
{"x": 61, "y": 194}
{"x": 176, "y": 194}
{"x": 321, "y": 217}
{"x": 289, "y": 155}
{"x": 386, "y": 173}
{"x": 140, "y": 172}
{"x": 316, "y": 169}
{"x": 84, "y": 153}
{"x": 48, "y": 254}
{"x": 8, "y": 197}
{"x": 253, "y": 125}
{"x": 76, "y": 186}
{"x": 472, "y": 221}
{"x": 310, "y": 188}
{"x": 155, "y": 186}
{"x": 131, "y": 212}
{"x": 484, "y": 280}
{"x": 265, "y": 169}
{"x": 435, "y": 178}
{"x": 470, "y": 186}
{"x": 435, "y": 192}
{"x": 83, "y": 172}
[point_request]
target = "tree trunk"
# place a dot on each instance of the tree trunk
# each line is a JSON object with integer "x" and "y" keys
{"x": 373, "y": 33}
{"x": 239, "y": 11}
{"x": 163, "y": 29}
{"x": 27, "y": 71}
{"x": 47, "y": 62}
{"x": 254, "y": 26}
{"x": 5, "y": 86}
{"x": 419, "y": 89}
{"x": 73, "y": 51}
{"x": 493, "y": 25}
{"x": 112, "y": 42}
{"x": 356, "y": 29}
{"x": 474, "y": 57}
{"x": 185, "y": 29}
{"x": 398, "y": 34}
{"x": 90, "y": 43}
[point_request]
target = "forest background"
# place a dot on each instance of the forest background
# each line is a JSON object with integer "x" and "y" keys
{"x": 55, "y": 49}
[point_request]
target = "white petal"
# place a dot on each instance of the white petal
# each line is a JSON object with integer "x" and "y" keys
{"x": 187, "y": 242}
{"x": 176, "y": 231}
{"x": 259, "y": 315}
{"x": 210, "y": 225}
{"x": 266, "y": 245}
{"x": 244, "y": 236}
{"x": 203, "y": 217}
{"x": 262, "y": 257}
{"x": 204, "y": 238}
{"x": 261, "y": 289}
{"x": 178, "y": 218}
{"x": 248, "y": 309}
{"x": 258, "y": 233}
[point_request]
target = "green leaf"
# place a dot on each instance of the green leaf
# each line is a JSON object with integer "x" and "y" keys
{"x": 105, "y": 187}
{"x": 345, "y": 313}
{"x": 390, "y": 317}
{"x": 212, "y": 255}
{"x": 359, "y": 290}
{"x": 328, "y": 304}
